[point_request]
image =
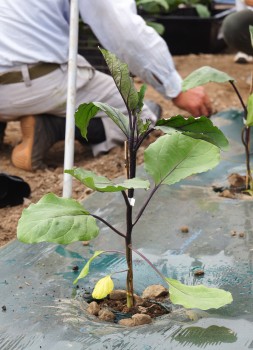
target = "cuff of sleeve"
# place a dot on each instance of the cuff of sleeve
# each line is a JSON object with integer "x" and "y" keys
{"x": 173, "y": 87}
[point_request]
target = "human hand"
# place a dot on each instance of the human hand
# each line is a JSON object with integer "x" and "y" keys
{"x": 195, "y": 101}
{"x": 248, "y": 2}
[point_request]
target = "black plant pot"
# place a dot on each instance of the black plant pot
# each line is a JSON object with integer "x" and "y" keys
{"x": 88, "y": 47}
{"x": 186, "y": 32}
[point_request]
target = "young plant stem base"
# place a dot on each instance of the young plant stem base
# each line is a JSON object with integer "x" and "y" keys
{"x": 246, "y": 143}
{"x": 129, "y": 280}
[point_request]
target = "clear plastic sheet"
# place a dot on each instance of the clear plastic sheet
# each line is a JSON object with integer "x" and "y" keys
{"x": 42, "y": 309}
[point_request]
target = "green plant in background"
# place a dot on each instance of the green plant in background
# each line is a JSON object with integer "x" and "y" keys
{"x": 207, "y": 74}
{"x": 188, "y": 146}
{"x": 166, "y": 6}
{"x": 153, "y": 7}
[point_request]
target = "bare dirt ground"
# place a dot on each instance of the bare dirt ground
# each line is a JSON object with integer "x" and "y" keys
{"x": 112, "y": 164}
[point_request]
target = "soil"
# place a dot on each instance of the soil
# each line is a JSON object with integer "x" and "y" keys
{"x": 112, "y": 164}
{"x": 153, "y": 308}
{"x": 154, "y": 303}
{"x": 236, "y": 189}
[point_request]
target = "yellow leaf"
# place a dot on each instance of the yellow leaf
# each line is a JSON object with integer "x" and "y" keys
{"x": 103, "y": 287}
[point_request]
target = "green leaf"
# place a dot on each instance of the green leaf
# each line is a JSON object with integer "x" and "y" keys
{"x": 202, "y": 10}
{"x": 203, "y": 76}
{"x": 122, "y": 78}
{"x": 199, "y": 297}
{"x": 162, "y": 3}
{"x": 158, "y": 27}
{"x": 251, "y": 34}
{"x": 249, "y": 121}
{"x": 102, "y": 184}
{"x": 58, "y": 220}
{"x": 83, "y": 115}
{"x": 86, "y": 111}
{"x": 172, "y": 158}
{"x": 143, "y": 125}
{"x": 86, "y": 268}
{"x": 198, "y": 128}
{"x": 103, "y": 287}
{"x": 141, "y": 95}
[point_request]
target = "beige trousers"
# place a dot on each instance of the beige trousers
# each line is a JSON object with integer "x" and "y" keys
{"x": 48, "y": 94}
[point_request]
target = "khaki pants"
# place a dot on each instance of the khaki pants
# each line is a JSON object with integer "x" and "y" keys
{"x": 48, "y": 94}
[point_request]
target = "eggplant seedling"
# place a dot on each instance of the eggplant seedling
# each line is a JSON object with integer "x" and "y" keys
{"x": 207, "y": 74}
{"x": 186, "y": 147}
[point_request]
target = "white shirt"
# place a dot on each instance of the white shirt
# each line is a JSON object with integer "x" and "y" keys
{"x": 240, "y": 5}
{"x": 38, "y": 31}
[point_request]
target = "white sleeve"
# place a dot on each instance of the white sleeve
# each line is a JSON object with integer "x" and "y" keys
{"x": 120, "y": 30}
{"x": 240, "y": 5}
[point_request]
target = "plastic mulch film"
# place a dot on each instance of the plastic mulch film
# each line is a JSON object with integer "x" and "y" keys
{"x": 42, "y": 309}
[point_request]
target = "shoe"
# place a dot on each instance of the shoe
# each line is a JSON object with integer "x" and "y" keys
{"x": 13, "y": 190}
{"x": 22, "y": 154}
{"x": 242, "y": 58}
{"x": 39, "y": 134}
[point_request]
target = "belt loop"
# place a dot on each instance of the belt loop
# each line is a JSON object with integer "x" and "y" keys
{"x": 26, "y": 75}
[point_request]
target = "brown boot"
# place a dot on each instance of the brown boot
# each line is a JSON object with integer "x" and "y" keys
{"x": 22, "y": 154}
{"x": 39, "y": 134}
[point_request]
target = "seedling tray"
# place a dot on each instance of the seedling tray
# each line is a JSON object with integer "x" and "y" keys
{"x": 186, "y": 33}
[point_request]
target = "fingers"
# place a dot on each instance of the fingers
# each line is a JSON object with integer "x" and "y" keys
{"x": 204, "y": 110}
{"x": 200, "y": 102}
{"x": 194, "y": 101}
{"x": 206, "y": 107}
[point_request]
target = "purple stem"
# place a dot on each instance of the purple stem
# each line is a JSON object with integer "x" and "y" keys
{"x": 109, "y": 225}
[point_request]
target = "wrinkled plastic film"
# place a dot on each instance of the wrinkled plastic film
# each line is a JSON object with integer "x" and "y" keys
{"x": 45, "y": 310}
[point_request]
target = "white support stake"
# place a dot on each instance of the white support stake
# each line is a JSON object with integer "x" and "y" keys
{"x": 71, "y": 98}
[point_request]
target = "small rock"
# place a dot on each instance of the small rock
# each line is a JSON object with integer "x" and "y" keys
{"x": 198, "y": 272}
{"x": 192, "y": 315}
{"x": 88, "y": 191}
{"x": 233, "y": 233}
{"x": 4, "y": 308}
{"x": 106, "y": 315}
{"x": 140, "y": 319}
{"x": 118, "y": 294}
{"x": 85, "y": 243}
{"x": 184, "y": 229}
{"x": 154, "y": 291}
{"x": 227, "y": 194}
{"x": 241, "y": 234}
{"x": 236, "y": 180}
{"x": 128, "y": 322}
{"x": 93, "y": 308}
